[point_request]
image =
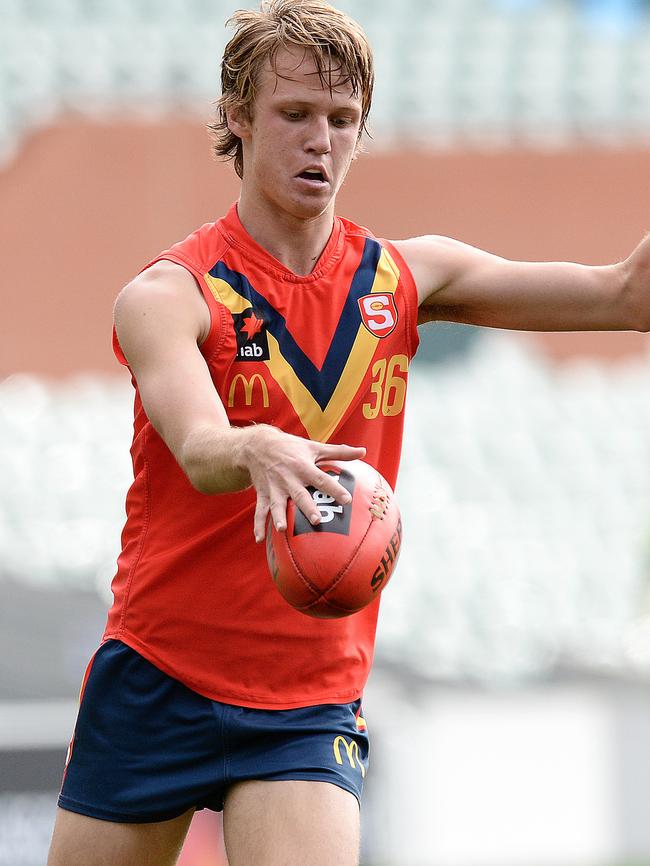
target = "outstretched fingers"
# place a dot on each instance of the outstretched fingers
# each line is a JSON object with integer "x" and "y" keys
{"x": 327, "y": 485}
{"x": 291, "y": 475}
{"x": 262, "y": 508}
{"x": 338, "y": 452}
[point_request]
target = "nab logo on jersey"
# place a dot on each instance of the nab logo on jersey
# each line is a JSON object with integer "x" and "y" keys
{"x": 252, "y": 341}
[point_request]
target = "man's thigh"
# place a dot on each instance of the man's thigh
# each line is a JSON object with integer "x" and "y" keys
{"x": 291, "y": 823}
{"x": 82, "y": 841}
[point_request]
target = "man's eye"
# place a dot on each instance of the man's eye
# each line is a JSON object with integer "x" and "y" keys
{"x": 293, "y": 115}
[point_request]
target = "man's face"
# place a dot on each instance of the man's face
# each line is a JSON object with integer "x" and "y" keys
{"x": 301, "y": 138}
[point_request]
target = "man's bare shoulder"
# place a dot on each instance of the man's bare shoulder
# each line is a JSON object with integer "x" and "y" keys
{"x": 163, "y": 282}
{"x": 433, "y": 261}
{"x": 163, "y": 290}
{"x": 426, "y": 246}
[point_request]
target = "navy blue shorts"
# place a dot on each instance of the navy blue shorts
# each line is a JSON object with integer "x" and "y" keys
{"x": 147, "y": 748}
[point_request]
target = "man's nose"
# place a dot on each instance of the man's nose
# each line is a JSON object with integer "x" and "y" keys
{"x": 318, "y": 139}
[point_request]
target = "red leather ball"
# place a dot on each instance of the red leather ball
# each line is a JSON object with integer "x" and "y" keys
{"x": 342, "y": 564}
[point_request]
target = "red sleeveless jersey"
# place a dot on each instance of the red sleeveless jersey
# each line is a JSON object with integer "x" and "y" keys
{"x": 324, "y": 356}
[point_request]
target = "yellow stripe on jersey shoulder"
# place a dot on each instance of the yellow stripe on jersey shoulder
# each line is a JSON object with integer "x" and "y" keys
{"x": 226, "y": 295}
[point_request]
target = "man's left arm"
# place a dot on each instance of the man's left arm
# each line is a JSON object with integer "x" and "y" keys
{"x": 460, "y": 283}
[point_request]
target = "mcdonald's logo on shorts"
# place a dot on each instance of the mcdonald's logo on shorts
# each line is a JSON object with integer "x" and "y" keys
{"x": 352, "y": 752}
{"x": 248, "y": 389}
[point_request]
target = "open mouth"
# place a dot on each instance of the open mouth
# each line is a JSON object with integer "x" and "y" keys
{"x": 316, "y": 176}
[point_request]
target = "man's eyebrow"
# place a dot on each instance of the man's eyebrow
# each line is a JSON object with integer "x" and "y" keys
{"x": 353, "y": 108}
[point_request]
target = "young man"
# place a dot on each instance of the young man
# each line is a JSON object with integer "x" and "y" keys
{"x": 259, "y": 346}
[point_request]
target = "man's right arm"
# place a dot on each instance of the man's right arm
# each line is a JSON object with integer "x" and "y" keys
{"x": 161, "y": 319}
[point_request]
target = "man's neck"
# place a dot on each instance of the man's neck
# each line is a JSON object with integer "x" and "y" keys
{"x": 297, "y": 243}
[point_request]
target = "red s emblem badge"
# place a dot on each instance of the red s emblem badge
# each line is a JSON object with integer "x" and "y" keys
{"x": 379, "y": 313}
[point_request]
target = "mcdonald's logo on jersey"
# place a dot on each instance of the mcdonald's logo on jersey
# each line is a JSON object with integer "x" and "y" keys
{"x": 248, "y": 388}
{"x": 352, "y": 751}
{"x": 252, "y": 340}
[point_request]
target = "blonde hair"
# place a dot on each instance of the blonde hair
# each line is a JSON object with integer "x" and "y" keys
{"x": 311, "y": 25}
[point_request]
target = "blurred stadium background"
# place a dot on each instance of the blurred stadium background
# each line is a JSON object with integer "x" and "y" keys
{"x": 509, "y": 706}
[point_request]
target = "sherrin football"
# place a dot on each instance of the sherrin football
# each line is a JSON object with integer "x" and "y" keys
{"x": 342, "y": 564}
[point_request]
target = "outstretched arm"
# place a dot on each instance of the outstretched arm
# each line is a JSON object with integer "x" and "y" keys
{"x": 459, "y": 283}
{"x": 160, "y": 319}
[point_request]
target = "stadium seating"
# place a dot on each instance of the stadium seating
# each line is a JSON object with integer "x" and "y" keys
{"x": 448, "y": 71}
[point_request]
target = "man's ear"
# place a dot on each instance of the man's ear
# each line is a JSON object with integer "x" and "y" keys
{"x": 238, "y": 122}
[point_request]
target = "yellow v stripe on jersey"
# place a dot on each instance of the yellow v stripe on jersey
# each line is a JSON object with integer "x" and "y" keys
{"x": 320, "y": 397}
